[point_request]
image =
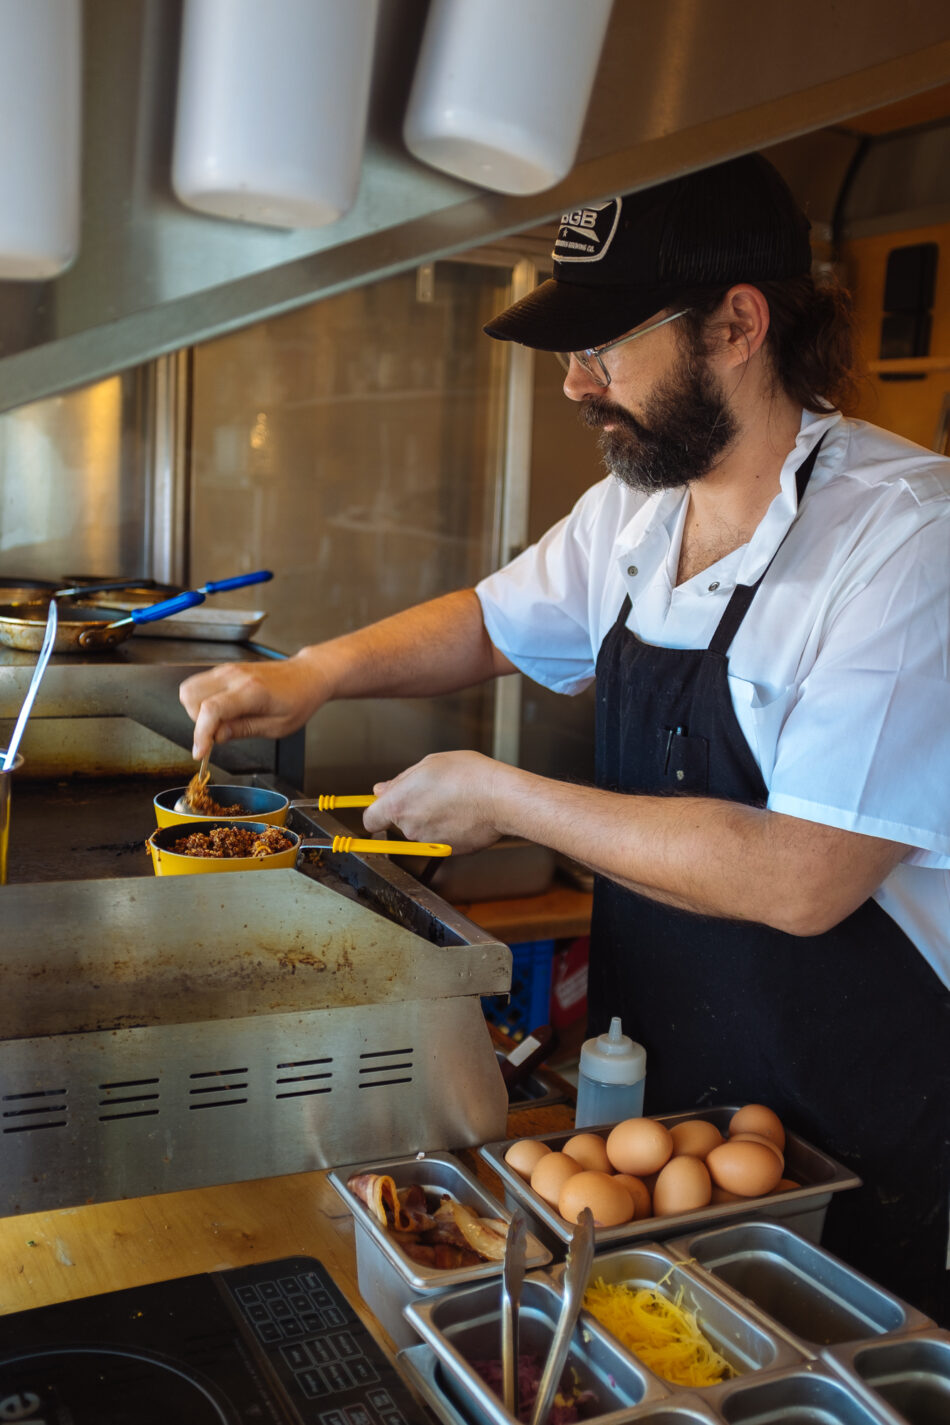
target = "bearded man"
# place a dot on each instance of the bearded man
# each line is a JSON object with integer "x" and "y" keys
{"x": 761, "y": 589}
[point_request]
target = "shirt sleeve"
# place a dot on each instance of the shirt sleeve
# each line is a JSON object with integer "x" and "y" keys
{"x": 866, "y": 745}
{"x": 538, "y": 608}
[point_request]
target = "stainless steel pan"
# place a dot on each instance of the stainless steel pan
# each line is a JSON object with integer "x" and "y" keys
{"x": 89, "y": 627}
{"x": 82, "y": 628}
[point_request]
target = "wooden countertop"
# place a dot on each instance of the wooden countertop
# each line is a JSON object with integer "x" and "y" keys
{"x": 81, "y": 1251}
{"x": 561, "y": 913}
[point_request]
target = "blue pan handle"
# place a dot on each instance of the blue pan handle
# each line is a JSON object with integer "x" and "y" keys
{"x": 218, "y": 586}
{"x": 164, "y": 609}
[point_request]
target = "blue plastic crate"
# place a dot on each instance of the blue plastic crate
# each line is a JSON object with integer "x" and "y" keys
{"x": 529, "y": 1004}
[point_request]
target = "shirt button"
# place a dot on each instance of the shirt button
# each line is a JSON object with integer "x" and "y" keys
{"x": 632, "y": 569}
{"x": 714, "y": 586}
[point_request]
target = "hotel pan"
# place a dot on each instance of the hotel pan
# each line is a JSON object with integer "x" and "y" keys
{"x": 740, "y": 1337}
{"x": 809, "y": 1296}
{"x": 803, "y": 1207}
{"x": 808, "y": 1395}
{"x": 388, "y": 1278}
{"x": 906, "y": 1375}
{"x": 465, "y": 1325}
{"x": 424, "y": 1371}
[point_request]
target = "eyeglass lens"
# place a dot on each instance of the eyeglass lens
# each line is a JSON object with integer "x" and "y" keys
{"x": 591, "y": 364}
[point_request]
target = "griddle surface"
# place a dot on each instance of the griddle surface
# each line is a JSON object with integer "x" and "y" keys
{"x": 81, "y": 829}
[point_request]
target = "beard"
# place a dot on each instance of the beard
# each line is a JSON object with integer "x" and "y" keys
{"x": 686, "y": 426}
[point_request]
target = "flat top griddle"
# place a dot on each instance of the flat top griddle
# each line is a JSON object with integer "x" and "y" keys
{"x": 81, "y": 829}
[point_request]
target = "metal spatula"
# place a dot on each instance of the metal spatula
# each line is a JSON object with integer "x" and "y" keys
{"x": 580, "y": 1254}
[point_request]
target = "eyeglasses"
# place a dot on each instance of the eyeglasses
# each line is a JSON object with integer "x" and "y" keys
{"x": 591, "y": 359}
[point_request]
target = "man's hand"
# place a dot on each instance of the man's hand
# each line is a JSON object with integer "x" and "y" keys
{"x": 448, "y": 796}
{"x": 251, "y": 700}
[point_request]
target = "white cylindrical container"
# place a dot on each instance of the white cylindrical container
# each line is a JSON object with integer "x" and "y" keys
{"x": 272, "y": 105}
{"x": 40, "y": 136}
{"x": 611, "y": 1078}
{"x": 501, "y": 89}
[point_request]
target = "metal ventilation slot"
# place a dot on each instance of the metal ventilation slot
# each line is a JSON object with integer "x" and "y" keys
{"x": 227, "y": 1081}
{"x": 128, "y": 1104}
{"x": 311, "y": 1078}
{"x": 28, "y": 1107}
{"x": 391, "y": 1061}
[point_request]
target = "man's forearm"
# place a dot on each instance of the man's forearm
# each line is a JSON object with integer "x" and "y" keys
{"x": 701, "y": 854}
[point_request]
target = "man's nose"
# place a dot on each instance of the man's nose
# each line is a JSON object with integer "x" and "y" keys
{"x": 578, "y": 382}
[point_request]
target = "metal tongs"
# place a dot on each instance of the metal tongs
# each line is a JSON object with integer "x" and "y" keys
{"x": 580, "y": 1254}
{"x": 511, "y": 1279}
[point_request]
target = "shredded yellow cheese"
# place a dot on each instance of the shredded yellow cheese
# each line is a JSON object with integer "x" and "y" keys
{"x": 661, "y": 1332}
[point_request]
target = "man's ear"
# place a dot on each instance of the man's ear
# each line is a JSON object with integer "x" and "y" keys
{"x": 744, "y": 322}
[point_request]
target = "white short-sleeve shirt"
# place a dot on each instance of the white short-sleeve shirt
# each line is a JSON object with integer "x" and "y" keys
{"x": 840, "y": 672}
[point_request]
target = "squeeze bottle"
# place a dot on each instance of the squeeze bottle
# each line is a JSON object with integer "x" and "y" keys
{"x": 610, "y": 1078}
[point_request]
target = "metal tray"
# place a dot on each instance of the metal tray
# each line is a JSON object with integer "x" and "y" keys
{"x": 806, "y": 1396}
{"x": 813, "y": 1298}
{"x": 907, "y": 1376}
{"x": 388, "y": 1278}
{"x": 204, "y": 624}
{"x": 804, "y": 1207}
{"x": 425, "y": 1373}
{"x": 464, "y": 1326}
{"x": 741, "y": 1338}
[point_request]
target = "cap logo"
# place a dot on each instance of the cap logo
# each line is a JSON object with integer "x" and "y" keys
{"x": 585, "y": 234}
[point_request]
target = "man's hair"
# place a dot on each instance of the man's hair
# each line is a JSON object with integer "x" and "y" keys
{"x": 810, "y": 341}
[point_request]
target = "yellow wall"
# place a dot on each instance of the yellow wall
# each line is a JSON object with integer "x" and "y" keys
{"x": 911, "y": 408}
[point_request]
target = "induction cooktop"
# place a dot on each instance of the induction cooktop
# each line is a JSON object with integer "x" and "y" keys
{"x": 275, "y": 1342}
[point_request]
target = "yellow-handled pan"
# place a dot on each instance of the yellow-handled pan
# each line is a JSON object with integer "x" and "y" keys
{"x": 256, "y": 804}
{"x": 166, "y": 862}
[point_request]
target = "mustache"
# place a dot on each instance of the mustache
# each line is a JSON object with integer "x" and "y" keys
{"x": 597, "y": 412}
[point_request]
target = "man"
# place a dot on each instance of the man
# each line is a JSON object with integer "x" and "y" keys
{"x": 762, "y": 590}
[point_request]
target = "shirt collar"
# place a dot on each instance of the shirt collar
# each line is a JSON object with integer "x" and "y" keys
{"x": 652, "y": 528}
{"x": 780, "y": 515}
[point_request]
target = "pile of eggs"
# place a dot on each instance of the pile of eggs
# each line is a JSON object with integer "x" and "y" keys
{"x": 644, "y": 1169}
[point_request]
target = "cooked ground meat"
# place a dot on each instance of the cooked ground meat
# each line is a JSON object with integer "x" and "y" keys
{"x": 201, "y": 800}
{"x": 228, "y": 841}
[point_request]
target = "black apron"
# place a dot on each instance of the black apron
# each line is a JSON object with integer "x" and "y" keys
{"x": 846, "y": 1035}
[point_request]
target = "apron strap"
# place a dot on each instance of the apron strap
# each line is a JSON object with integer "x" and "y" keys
{"x": 743, "y": 594}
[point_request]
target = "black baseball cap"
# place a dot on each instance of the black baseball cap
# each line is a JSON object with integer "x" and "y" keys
{"x": 617, "y": 263}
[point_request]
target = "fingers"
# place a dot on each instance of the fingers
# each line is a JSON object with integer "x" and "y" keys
{"x": 244, "y": 700}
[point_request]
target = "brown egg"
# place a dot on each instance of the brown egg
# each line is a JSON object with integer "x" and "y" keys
{"x": 590, "y": 1150}
{"x": 638, "y": 1190}
{"x": 607, "y": 1199}
{"x": 756, "y": 1118}
{"x": 785, "y": 1185}
{"x": 694, "y": 1137}
{"x": 682, "y": 1185}
{"x": 750, "y": 1169}
{"x": 639, "y": 1146}
{"x": 524, "y": 1154}
{"x": 551, "y": 1173}
{"x": 759, "y": 1138}
{"x": 720, "y": 1195}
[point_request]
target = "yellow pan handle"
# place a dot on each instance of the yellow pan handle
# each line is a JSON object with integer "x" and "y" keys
{"x": 331, "y": 802}
{"x": 391, "y": 848}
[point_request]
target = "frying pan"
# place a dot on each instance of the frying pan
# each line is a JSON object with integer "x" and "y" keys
{"x": 171, "y": 863}
{"x": 96, "y": 629}
{"x": 256, "y": 803}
